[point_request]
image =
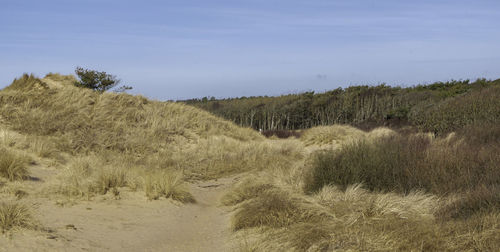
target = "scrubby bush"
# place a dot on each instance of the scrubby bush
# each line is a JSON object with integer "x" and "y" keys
{"x": 98, "y": 81}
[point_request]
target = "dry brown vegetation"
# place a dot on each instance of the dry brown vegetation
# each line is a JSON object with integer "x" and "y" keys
{"x": 15, "y": 215}
{"x": 13, "y": 166}
{"x": 377, "y": 190}
{"x": 109, "y": 143}
{"x": 333, "y": 188}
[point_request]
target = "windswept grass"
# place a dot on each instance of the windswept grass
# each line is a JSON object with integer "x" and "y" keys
{"x": 335, "y": 134}
{"x": 60, "y": 120}
{"x": 249, "y": 188}
{"x": 336, "y": 188}
{"x": 15, "y": 215}
{"x": 405, "y": 163}
{"x": 13, "y": 166}
{"x": 167, "y": 184}
{"x": 27, "y": 82}
{"x": 379, "y": 191}
{"x": 270, "y": 209}
{"x": 356, "y": 219}
{"x": 88, "y": 121}
{"x": 261, "y": 205}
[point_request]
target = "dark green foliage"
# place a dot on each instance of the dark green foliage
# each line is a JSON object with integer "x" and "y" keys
{"x": 425, "y": 106}
{"x": 405, "y": 163}
{"x": 98, "y": 81}
{"x": 476, "y": 107}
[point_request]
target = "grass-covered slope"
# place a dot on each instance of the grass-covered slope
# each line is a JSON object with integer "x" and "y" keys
{"x": 91, "y": 121}
{"x": 104, "y": 142}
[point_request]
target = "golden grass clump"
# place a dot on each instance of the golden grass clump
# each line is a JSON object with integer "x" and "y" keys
{"x": 380, "y": 132}
{"x": 245, "y": 190}
{"x": 7, "y": 138}
{"x": 76, "y": 181}
{"x": 111, "y": 178}
{"x": 27, "y": 82}
{"x": 219, "y": 156}
{"x": 89, "y": 176}
{"x": 270, "y": 209}
{"x": 261, "y": 204}
{"x": 357, "y": 201}
{"x": 56, "y": 80}
{"x": 15, "y": 215}
{"x": 13, "y": 166}
{"x": 167, "y": 184}
{"x": 331, "y": 135}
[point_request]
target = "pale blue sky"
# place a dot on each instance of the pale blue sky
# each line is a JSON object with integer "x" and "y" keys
{"x": 195, "y": 48}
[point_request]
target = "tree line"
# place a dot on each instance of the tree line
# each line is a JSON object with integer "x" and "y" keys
{"x": 365, "y": 106}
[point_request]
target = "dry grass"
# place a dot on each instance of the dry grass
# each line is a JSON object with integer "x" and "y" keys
{"x": 76, "y": 181}
{"x": 13, "y": 166}
{"x": 220, "y": 156}
{"x": 331, "y": 135}
{"x": 15, "y": 215}
{"x": 269, "y": 209}
{"x": 169, "y": 185}
{"x": 405, "y": 163}
{"x": 352, "y": 217}
{"x": 359, "y": 220}
{"x": 7, "y": 138}
{"x": 249, "y": 188}
{"x": 151, "y": 136}
{"x": 419, "y": 193}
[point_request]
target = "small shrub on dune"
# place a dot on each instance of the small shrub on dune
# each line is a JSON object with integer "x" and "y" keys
{"x": 169, "y": 185}
{"x": 12, "y": 165}
{"x": 15, "y": 215}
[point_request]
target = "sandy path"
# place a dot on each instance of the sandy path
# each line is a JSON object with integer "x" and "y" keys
{"x": 135, "y": 224}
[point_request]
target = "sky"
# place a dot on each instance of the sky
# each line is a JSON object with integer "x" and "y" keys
{"x": 172, "y": 50}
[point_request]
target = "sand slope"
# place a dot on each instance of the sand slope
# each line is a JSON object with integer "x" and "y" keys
{"x": 132, "y": 223}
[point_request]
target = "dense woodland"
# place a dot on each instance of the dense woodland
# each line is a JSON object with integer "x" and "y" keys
{"x": 439, "y": 107}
